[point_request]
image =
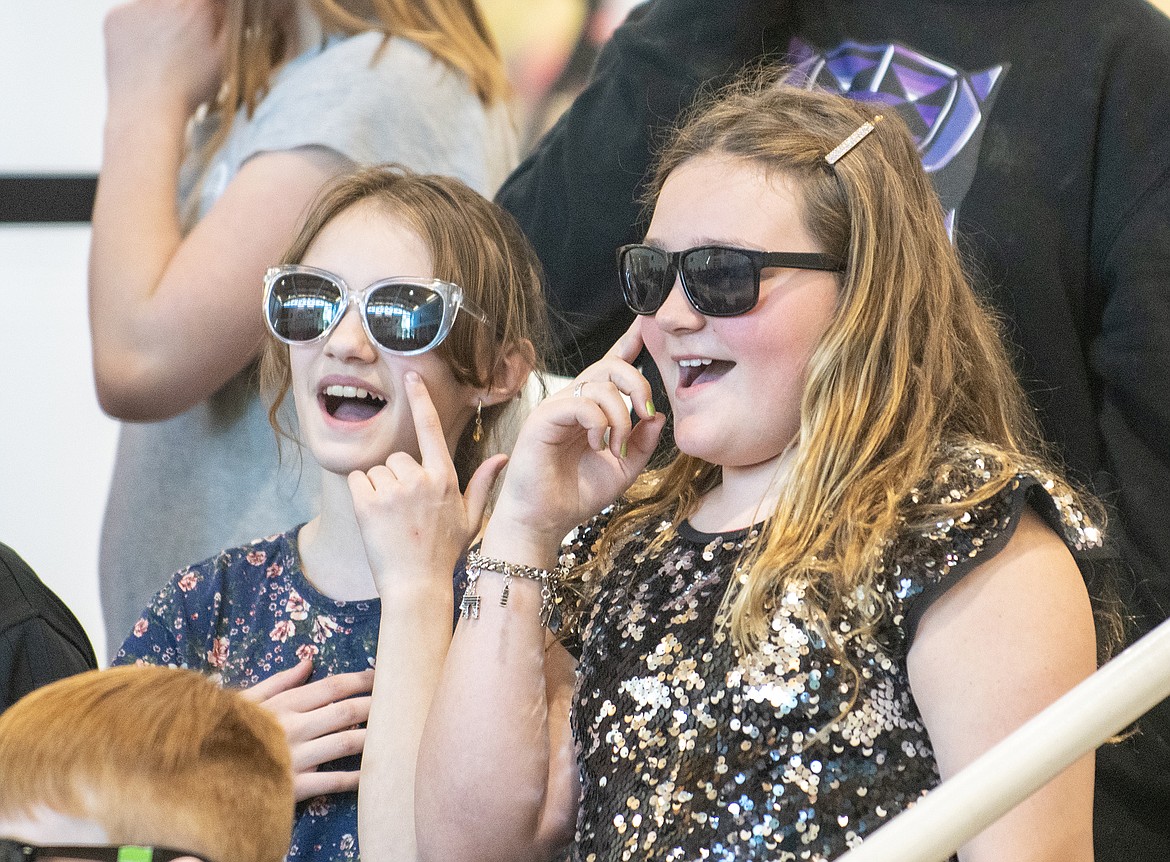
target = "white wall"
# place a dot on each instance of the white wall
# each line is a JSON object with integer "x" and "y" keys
{"x": 56, "y": 447}
{"x": 53, "y": 97}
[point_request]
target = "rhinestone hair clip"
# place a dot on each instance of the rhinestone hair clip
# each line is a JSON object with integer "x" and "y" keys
{"x": 852, "y": 141}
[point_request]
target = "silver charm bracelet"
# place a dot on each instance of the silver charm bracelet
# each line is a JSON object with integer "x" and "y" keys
{"x": 476, "y": 563}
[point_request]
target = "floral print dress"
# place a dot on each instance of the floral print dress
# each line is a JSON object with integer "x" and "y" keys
{"x": 246, "y": 614}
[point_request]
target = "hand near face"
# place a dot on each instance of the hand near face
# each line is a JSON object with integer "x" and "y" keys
{"x": 320, "y": 721}
{"x": 172, "y": 48}
{"x": 414, "y": 522}
{"x": 579, "y": 449}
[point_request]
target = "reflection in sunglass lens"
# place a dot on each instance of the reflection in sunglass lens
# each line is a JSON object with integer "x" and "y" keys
{"x": 17, "y": 851}
{"x": 721, "y": 281}
{"x": 301, "y": 306}
{"x": 646, "y": 279}
{"x": 404, "y": 316}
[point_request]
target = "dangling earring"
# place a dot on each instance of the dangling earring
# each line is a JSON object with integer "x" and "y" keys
{"x": 477, "y": 433}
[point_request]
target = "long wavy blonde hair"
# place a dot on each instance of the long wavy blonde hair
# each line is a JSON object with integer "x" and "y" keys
{"x": 258, "y": 34}
{"x": 911, "y": 373}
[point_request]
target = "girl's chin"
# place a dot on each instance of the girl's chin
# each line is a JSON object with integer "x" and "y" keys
{"x": 344, "y": 466}
{"x": 723, "y": 454}
{"x": 708, "y": 453}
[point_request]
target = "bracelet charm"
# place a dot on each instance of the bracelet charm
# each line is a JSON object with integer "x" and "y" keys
{"x": 469, "y": 605}
{"x": 549, "y": 581}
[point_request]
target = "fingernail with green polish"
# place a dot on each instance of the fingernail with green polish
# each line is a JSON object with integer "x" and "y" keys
{"x": 625, "y": 448}
{"x": 650, "y": 406}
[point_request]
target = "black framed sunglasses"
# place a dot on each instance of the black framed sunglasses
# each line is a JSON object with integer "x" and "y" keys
{"x": 21, "y": 851}
{"x": 403, "y": 316}
{"x": 719, "y": 281}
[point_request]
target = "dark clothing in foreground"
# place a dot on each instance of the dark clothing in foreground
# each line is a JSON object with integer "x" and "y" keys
{"x": 41, "y": 640}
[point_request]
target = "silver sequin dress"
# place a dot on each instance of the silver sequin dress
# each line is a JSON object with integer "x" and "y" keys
{"x": 689, "y": 751}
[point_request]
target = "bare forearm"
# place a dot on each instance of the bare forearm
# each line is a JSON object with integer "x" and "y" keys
{"x": 162, "y": 347}
{"x": 413, "y": 641}
{"x": 136, "y": 232}
{"x": 485, "y": 790}
{"x": 498, "y": 779}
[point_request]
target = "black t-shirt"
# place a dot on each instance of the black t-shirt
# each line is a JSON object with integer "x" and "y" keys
{"x": 40, "y": 639}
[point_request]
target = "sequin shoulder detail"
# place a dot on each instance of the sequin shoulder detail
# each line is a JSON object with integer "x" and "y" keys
{"x": 925, "y": 563}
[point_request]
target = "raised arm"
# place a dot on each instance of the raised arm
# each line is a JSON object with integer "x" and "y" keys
{"x": 415, "y": 525}
{"x": 1002, "y": 644}
{"x": 497, "y": 774}
{"x": 173, "y": 317}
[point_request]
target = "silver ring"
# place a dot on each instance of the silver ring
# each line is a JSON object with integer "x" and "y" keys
{"x": 577, "y": 389}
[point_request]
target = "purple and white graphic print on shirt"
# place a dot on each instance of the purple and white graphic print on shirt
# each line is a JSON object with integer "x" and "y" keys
{"x": 945, "y": 108}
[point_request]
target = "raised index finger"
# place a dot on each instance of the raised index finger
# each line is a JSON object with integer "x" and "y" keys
{"x": 432, "y": 445}
{"x": 630, "y": 344}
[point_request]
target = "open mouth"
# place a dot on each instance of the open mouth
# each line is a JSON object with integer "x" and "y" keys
{"x": 351, "y": 403}
{"x": 692, "y": 372}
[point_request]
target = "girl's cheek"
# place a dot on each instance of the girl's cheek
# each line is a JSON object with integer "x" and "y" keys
{"x": 651, "y": 334}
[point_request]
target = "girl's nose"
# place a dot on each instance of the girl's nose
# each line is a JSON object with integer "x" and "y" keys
{"x": 676, "y": 313}
{"x": 348, "y": 340}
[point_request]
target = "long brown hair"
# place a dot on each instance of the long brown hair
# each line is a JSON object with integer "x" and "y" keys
{"x": 911, "y": 374}
{"x": 258, "y": 33}
{"x": 473, "y": 243}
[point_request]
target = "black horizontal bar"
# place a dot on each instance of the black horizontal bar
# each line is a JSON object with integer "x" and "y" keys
{"x": 46, "y": 198}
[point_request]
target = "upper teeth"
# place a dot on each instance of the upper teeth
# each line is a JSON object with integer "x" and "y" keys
{"x": 351, "y": 392}
{"x": 693, "y": 363}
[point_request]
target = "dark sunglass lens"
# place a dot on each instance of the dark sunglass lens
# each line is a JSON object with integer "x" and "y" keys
{"x": 405, "y": 317}
{"x": 646, "y": 279}
{"x": 301, "y": 305}
{"x": 12, "y": 851}
{"x": 721, "y": 281}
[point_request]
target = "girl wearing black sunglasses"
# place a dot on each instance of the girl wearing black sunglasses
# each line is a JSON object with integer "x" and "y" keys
{"x": 403, "y": 322}
{"x": 855, "y": 575}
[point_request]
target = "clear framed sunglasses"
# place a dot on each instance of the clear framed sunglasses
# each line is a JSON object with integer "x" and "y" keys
{"x": 402, "y": 315}
{"x": 718, "y": 280}
{"x": 22, "y": 851}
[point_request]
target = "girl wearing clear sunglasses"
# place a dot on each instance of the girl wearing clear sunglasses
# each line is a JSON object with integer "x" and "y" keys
{"x": 225, "y": 118}
{"x": 406, "y": 318}
{"x": 855, "y": 575}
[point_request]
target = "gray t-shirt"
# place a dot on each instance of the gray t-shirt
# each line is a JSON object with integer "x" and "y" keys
{"x": 211, "y": 478}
